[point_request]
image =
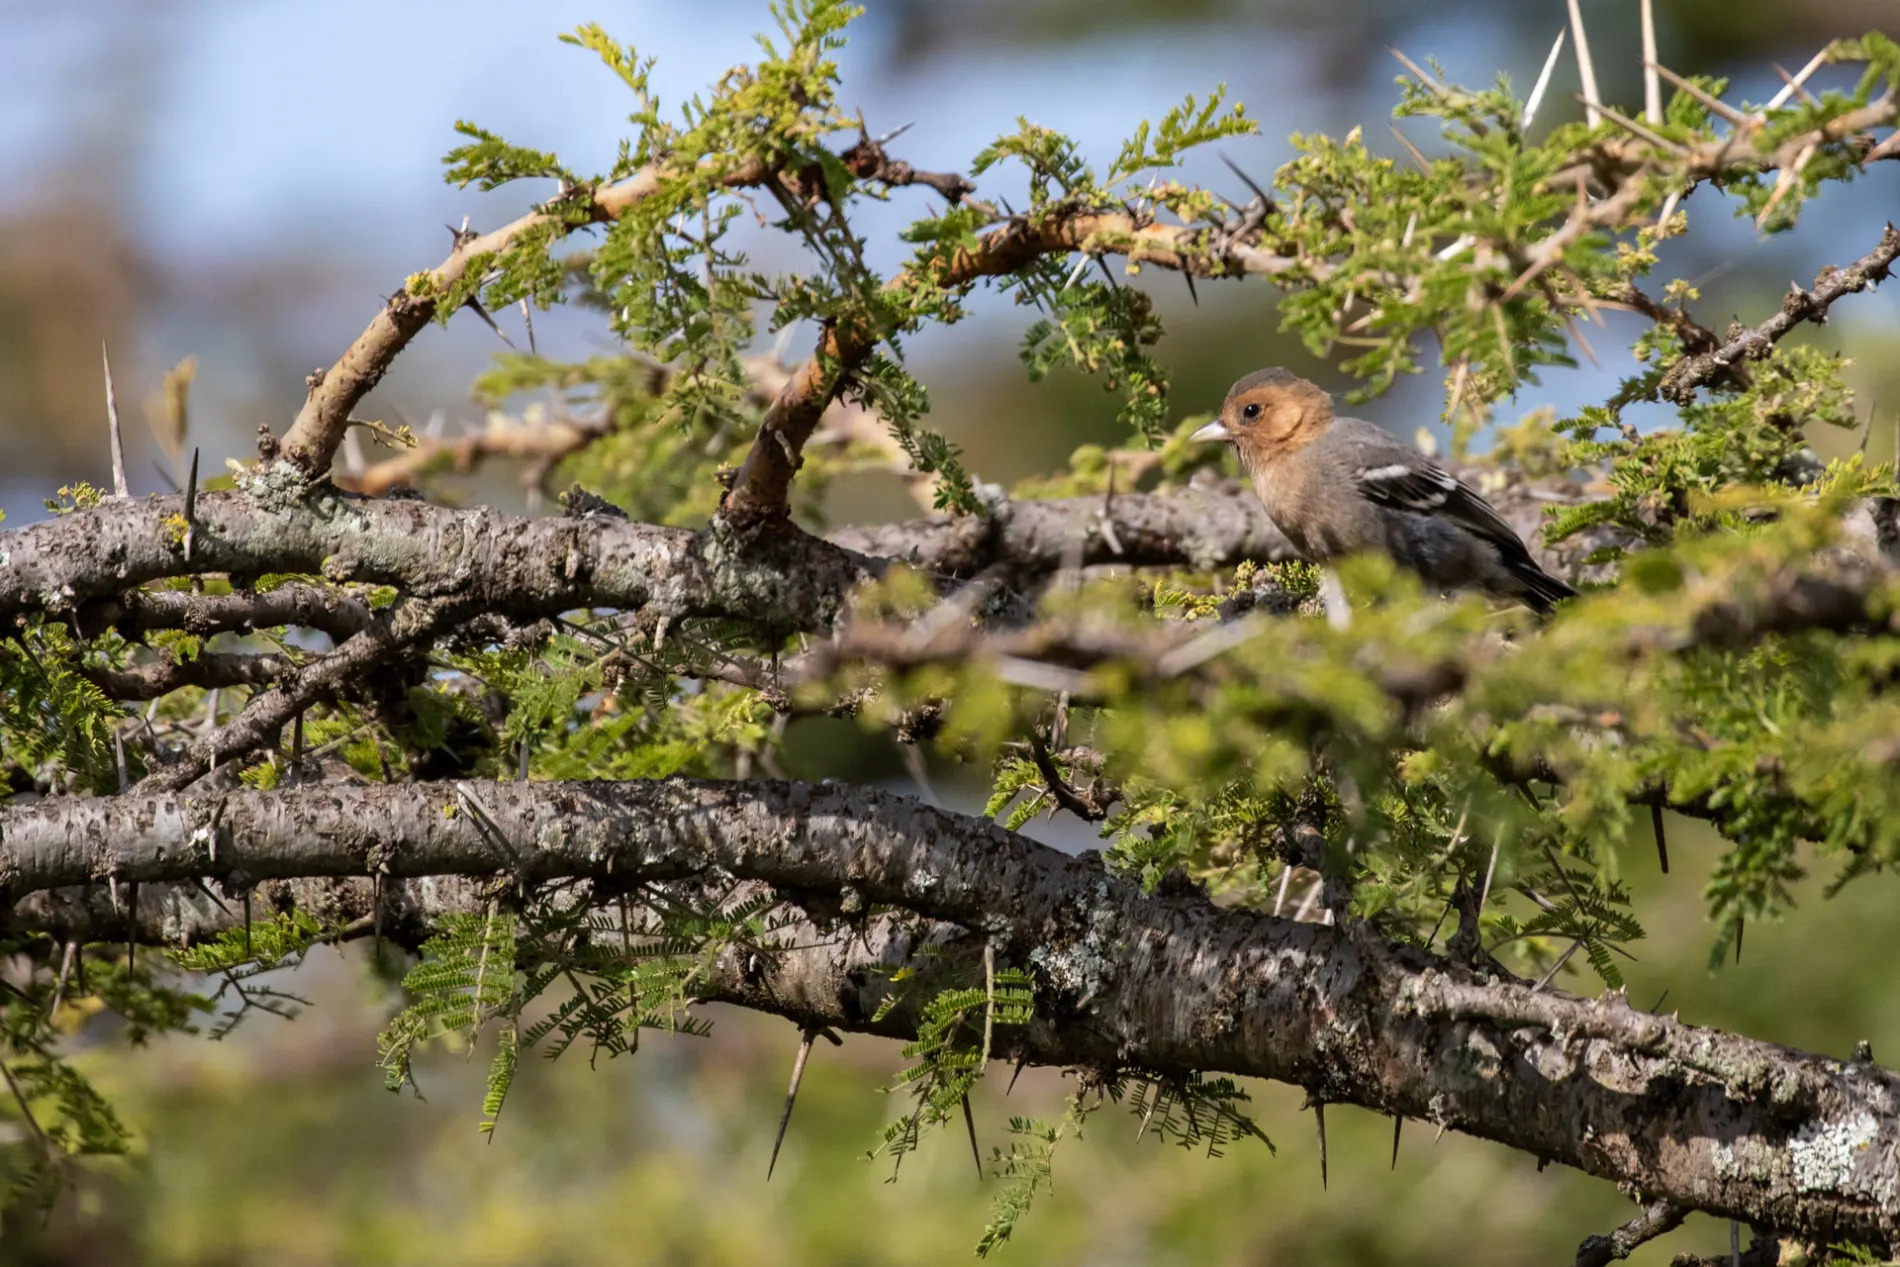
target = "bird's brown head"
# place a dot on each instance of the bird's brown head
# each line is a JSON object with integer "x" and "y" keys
{"x": 1269, "y": 414}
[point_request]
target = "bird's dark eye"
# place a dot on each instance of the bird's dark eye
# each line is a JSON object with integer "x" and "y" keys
{"x": 1251, "y": 411}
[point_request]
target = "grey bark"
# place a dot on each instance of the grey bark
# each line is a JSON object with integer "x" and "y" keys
{"x": 1168, "y": 983}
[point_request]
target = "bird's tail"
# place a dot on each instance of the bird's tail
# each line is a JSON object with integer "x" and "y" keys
{"x": 1539, "y": 588}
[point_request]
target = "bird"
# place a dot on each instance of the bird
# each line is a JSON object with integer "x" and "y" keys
{"x": 1338, "y": 486}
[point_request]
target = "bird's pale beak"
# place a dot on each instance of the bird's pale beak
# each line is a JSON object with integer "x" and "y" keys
{"x": 1215, "y": 430}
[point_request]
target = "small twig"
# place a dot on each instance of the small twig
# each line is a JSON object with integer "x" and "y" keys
{"x": 1662, "y": 842}
{"x": 1557, "y": 967}
{"x": 1786, "y": 181}
{"x": 1398, "y": 1125}
{"x": 59, "y": 982}
{"x": 1655, "y": 1220}
{"x": 1065, "y": 796}
{"x": 26, "y": 1110}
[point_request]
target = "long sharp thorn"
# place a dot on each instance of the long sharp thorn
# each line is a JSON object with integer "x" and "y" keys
{"x": 1418, "y": 73}
{"x": 1417, "y": 157}
{"x": 1638, "y": 130}
{"x": 791, "y": 1096}
{"x": 191, "y": 502}
{"x": 1398, "y": 1126}
{"x": 118, "y": 752}
{"x": 1586, "y": 69}
{"x": 489, "y": 321}
{"x": 132, "y": 926}
{"x": 1662, "y": 842}
{"x": 215, "y": 900}
{"x": 1792, "y": 86}
{"x": 1490, "y": 869}
{"x": 1740, "y": 924}
{"x": 119, "y": 489}
{"x": 1713, "y": 102}
{"x": 1020, "y": 1063}
{"x": 1441, "y": 1133}
{"x": 969, "y": 1121}
{"x": 1652, "y": 87}
{"x": 1319, "y": 1116}
{"x": 1543, "y": 80}
{"x": 1248, "y": 181}
{"x": 1192, "y": 293}
{"x": 1153, "y": 1104}
{"x": 527, "y": 319}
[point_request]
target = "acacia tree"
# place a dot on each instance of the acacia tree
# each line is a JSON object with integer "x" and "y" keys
{"x": 289, "y": 707}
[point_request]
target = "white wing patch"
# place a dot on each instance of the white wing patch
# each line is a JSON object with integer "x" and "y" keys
{"x": 1421, "y": 488}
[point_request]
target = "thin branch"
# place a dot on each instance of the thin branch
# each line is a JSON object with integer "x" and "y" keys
{"x": 312, "y": 440}
{"x": 210, "y": 669}
{"x": 1686, "y": 375}
{"x": 1656, "y": 1220}
{"x": 547, "y": 441}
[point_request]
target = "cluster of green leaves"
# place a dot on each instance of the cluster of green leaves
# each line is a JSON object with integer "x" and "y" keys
{"x": 956, "y": 1024}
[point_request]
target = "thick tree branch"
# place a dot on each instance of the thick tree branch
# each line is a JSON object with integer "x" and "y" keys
{"x": 497, "y": 563}
{"x": 137, "y": 612}
{"x": 1190, "y": 528}
{"x": 1168, "y": 983}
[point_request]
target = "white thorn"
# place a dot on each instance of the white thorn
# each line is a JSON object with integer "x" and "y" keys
{"x": 1543, "y": 80}
{"x": 1457, "y": 248}
{"x": 1793, "y": 86}
{"x": 1652, "y": 82}
{"x": 1669, "y": 207}
{"x": 112, "y": 426}
{"x": 1586, "y": 69}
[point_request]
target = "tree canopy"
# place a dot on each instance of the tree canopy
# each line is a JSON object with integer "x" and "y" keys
{"x": 301, "y": 703}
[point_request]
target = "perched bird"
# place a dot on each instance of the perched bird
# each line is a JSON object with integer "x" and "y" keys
{"x": 1339, "y": 486}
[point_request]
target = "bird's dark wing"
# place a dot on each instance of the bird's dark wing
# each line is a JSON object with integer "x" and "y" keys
{"x": 1409, "y": 481}
{"x": 1404, "y": 479}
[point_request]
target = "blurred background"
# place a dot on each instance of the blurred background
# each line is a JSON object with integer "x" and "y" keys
{"x": 242, "y": 180}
